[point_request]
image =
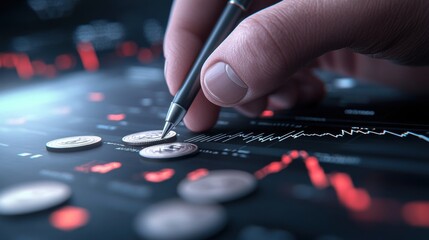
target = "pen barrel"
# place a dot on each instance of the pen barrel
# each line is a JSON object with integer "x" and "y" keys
{"x": 243, "y": 4}
{"x": 223, "y": 27}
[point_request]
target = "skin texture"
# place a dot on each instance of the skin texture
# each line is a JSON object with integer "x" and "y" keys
{"x": 271, "y": 52}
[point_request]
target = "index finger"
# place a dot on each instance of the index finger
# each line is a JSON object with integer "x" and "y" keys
{"x": 189, "y": 25}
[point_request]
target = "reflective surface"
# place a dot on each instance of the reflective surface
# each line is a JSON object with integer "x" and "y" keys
{"x": 354, "y": 167}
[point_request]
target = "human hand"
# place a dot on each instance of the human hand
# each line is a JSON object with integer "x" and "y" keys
{"x": 265, "y": 61}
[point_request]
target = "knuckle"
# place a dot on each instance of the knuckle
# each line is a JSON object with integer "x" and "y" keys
{"x": 260, "y": 41}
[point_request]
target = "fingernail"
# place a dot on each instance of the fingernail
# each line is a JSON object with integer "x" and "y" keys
{"x": 223, "y": 84}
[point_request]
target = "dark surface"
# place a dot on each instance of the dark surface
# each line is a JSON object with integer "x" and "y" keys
{"x": 376, "y": 136}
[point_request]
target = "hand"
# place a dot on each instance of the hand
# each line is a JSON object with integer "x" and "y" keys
{"x": 265, "y": 62}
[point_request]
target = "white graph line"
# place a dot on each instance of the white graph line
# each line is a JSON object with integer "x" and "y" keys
{"x": 261, "y": 137}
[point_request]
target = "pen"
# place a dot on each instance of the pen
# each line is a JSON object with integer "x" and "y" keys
{"x": 186, "y": 94}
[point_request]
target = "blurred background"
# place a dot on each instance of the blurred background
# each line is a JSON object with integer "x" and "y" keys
{"x": 42, "y": 39}
{"x": 94, "y": 67}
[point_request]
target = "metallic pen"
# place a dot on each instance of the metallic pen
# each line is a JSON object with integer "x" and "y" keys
{"x": 186, "y": 94}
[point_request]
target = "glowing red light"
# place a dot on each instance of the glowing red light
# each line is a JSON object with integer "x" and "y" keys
{"x": 159, "y": 176}
{"x": 286, "y": 159}
{"x": 39, "y": 67}
{"x": 64, "y": 62}
{"x": 50, "y": 71}
{"x": 416, "y": 213}
{"x": 69, "y": 218}
{"x": 197, "y": 174}
{"x": 88, "y": 56}
{"x": 275, "y": 167}
{"x": 9, "y": 60}
{"x": 352, "y": 198}
{"x": 318, "y": 179}
{"x": 303, "y": 154}
{"x": 105, "y": 168}
{"x": 259, "y": 175}
{"x": 127, "y": 49}
{"x": 267, "y": 113}
{"x": 85, "y": 167}
{"x": 294, "y": 154}
{"x": 145, "y": 55}
{"x": 96, "y": 96}
{"x": 23, "y": 66}
{"x": 312, "y": 163}
{"x": 316, "y": 173}
{"x": 341, "y": 181}
{"x": 116, "y": 117}
{"x": 381, "y": 210}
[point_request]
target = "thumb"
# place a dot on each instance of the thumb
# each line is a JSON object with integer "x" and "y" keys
{"x": 269, "y": 46}
{"x": 264, "y": 50}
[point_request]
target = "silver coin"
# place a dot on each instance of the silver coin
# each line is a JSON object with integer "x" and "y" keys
{"x": 148, "y": 138}
{"x": 75, "y": 143}
{"x": 33, "y": 197}
{"x": 176, "y": 219}
{"x": 217, "y": 186}
{"x": 169, "y": 150}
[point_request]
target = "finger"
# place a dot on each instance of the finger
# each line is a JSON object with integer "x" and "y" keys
{"x": 202, "y": 115}
{"x": 311, "y": 89}
{"x": 285, "y": 97}
{"x": 189, "y": 25}
{"x": 263, "y": 51}
{"x": 267, "y": 47}
{"x": 303, "y": 88}
{"x": 254, "y": 108}
{"x": 348, "y": 63}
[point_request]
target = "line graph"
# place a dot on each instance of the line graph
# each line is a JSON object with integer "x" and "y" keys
{"x": 295, "y": 134}
{"x": 356, "y": 200}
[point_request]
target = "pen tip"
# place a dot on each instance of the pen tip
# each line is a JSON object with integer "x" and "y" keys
{"x": 167, "y": 128}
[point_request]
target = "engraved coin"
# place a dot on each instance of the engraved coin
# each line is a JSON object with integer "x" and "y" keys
{"x": 169, "y": 150}
{"x": 33, "y": 197}
{"x": 75, "y": 143}
{"x": 148, "y": 138}
{"x": 217, "y": 186}
{"x": 176, "y": 219}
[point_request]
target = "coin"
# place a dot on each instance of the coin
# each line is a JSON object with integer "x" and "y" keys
{"x": 176, "y": 219}
{"x": 217, "y": 186}
{"x": 169, "y": 150}
{"x": 33, "y": 197}
{"x": 75, "y": 143}
{"x": 148, "y": 138}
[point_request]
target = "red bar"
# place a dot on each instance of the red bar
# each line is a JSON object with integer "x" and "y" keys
{"x": 88, "y": 56}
